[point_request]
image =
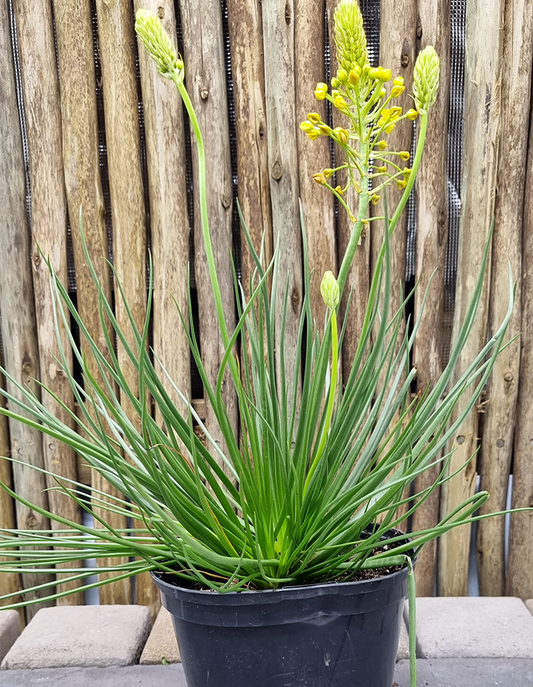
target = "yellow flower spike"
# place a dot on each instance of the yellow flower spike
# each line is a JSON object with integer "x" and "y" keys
{"x": 404, "y": 155}
{"x": 374, "y": 198}
{"x": 385, "y": 75}
{"x": 328, "y": 172}
{"x": 381, "y": 145}
{"x": 350, "y": 35}
{"x": 340, "y": 103}
{"x": 319, "y": 178}
{"x": 353, "y": 76}
{"x": 411, "y": 114}
{"x": 307, "y": 127}
{"x": 157, "y": 43}
{"x": 343, "y": 136}
{"x": 313, "y": 135}
{"x": 426, "y": 79}
{"x": 397, "y": 91}
{"x": 329, "y": 288}
{"x": 321, "y": 90}
{"x": 342, "y": 75}
{"x": 374, "y": 73}
{"x": 338, "y": 190}
{"x": 314, "y": 118}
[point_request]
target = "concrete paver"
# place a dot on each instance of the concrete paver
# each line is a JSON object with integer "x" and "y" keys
{"x": 67, "y": 636}
{"x": 529, "y": 605}
{"x": 128, "y": 676}
{"x": 162, "y": 646}
{"x": 473, "y": 627}
{"x": 9, "y": 631}
{"x": 467, "y": 672}
{"x": 403, "y": 646}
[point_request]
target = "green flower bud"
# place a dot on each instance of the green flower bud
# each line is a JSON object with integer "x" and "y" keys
{"x": 426, "y": 79}
{"x": 350, "y": 35}
{"x": 157, "y": 43}
{"x": 329, "y": 288}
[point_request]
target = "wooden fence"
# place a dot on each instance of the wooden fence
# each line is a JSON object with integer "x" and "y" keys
{"x": 124, "y": 165}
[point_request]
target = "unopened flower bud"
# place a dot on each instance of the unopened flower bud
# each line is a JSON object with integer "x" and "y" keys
{"x": 404, "y": 155}
{"x": 319, "y": 178}
{"x": 157, "y": 43}
{"x": 426, "y": 79}
{"x": 374, "y": 73}
{"x": 374, "y": 198}
{"x": 329, "y": 288}
{"x": 380, "y": 170}
{"x": 340, "y": 103}
{"x": 381, "y": 145}
{"x": 314, "y": 118}
{"x": 350, "y": 35}
{"x": 313, "y": 135}
{"x": 343, "y": 136}
{"x": 328, "y": 172}
{"x": 411, "y": 114}
{"x": 338, "y": 189}
{"x": 401, "y": 184}
{"x": 335, "y": 83}
{"x": 353, "y": 76}
{"x": 342, "y": 75}
{"x": 324, "y": 129}
{"x": 307, "y": 127}
{"x": 384, "y": 75}
{"x": 321, "y": 90}
{"x": 397, "y": 91}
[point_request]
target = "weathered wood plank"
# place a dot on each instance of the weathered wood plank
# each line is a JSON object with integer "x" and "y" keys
{"x": 16, "y": 301}
{"x": 245, "y": 31}
{"x": 278, "y": 41}
{"x": 165, "y": 153}
{"x": 206, "y": 82}
{"x": 83, "y": 184}
{"x": 9, "y": 582}
{"x": 502, "y": 390}
{"x": 481, "y": 142}
{"x": 313, "y": 156}
{"x": 49, "y": 230}
{"x": 431, "y": 240}
{"x": 117, "y": 49}
{"x": 358, "y": 281}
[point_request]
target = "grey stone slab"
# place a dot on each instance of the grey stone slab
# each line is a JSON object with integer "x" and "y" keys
{"x": 85, "y": 636}
{"x": 467, "y": 672}
{"x": 162, "y": 646}
{"x": 129, "y": 676}
{"x": 9, "y": 631}
{"x": 529, "y": 605}
{"x": 403, "y": 647}
{"x": 473, "y": 627}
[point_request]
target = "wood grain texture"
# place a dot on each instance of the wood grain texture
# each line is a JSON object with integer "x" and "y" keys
{"x": 19, "y": 335}
{"x": 169, "y": 225}
{"x": 358, "y": 281}
{"x": 83, "y": 187}
{"x": 313, "y": 156}
{"x": 9, "y": 582}
{"x": 502, "y": 389}
{"x": 481, "y": 143}
{"x": 278, "y": 40}
{"x": 49, "y": 230}
{"x": 206, "y": 83}
{"x": 117, "y": 57}
{"x": 247, "y": 59}
{"x": 431, "y": 240}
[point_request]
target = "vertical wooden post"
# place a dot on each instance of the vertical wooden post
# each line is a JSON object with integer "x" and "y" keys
{"x": 481, "y": 142}
{"x": 278, "y": 42}
{"x": 83, "y": 186}
{"x": 245, "y": 30}
{"x": 16, "y": 302}
{"x": 206, "y": 82}
{"x": 313, "y": 156}
{"x": 502, "y": 390}
{"x": 49, "y": 230}
{"x": 431, "y": 240}
{"x": 358, "y": 281}
{"x": 117, "y": 58}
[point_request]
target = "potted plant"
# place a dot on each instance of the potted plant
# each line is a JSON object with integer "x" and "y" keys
{"x": 284, "y": 566}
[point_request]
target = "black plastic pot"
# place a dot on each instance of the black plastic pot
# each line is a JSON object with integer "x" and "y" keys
{"x": 323, "y": 635}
